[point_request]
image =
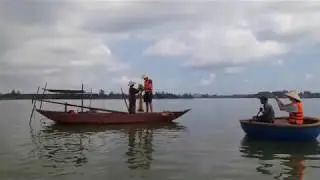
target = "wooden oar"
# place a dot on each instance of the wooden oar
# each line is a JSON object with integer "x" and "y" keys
{"x": 97, "y": 109}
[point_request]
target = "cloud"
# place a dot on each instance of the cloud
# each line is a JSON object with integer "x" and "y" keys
{"x": 167, "y": 47}
{"x": 72, "y": 41}
{"x": 308, "y": 76}
{"x": 61, "y": 52}
{"x": 212, "y": 45}
{"x": 234, "y": 69}
{"x": 252, "y": 32}
{"x": 124, "y": 80}
{"x": 50, "y": 45}
{"x": 207, "y": 81}
{"x": 278, "y": 62}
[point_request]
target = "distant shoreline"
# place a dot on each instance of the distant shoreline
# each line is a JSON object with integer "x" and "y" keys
{"x": 157, "y": 95}
{"x": 7, "y": 99}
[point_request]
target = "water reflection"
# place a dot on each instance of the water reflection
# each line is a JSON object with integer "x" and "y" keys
{"x": 282, "y": 160}
{"x": 60, "y": 148}
{"x": 139, "y": 148}
{"x": 68, "y": 145}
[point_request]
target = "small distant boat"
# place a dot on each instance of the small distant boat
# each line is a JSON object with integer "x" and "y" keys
{"x": 95, "y": 116}
{"x": 282, "y": 130}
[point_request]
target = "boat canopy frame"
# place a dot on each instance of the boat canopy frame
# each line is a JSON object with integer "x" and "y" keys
{"x": 62, "y": 91}
{"x": 66, "y": 91}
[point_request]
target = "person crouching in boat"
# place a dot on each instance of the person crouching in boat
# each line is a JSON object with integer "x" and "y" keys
{"x": 267, "y": 111}
{"x": 295, "y": 108}
{"x": 132, "y": 97}
{"x": 148, "y": 95}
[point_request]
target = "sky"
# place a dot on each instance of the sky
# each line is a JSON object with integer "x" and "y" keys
{"x": 191, "y": 46}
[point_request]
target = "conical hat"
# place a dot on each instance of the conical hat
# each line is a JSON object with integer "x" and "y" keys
{"x": 294, "y": 95}
{"x": 145, "y": 76}
{"x": 131, "y": 83}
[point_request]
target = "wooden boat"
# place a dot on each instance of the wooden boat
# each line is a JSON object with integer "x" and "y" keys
{"x": 280, "y": 129}
{"x": 93, "y": 116}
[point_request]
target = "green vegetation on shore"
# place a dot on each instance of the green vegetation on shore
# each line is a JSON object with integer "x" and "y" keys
{"x": 158, "y": 95}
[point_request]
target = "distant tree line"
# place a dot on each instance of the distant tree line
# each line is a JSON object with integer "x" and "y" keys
{"x": 100, "y": 95}
{"x": 281, "y": 94}
{"x": 16, "y": 94}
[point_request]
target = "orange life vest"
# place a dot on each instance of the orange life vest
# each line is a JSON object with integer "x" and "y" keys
{"x": 297, "y": 117}
{"x": 148, "y": 85}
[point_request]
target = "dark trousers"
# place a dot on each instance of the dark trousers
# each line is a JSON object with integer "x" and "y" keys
{"x": 132, "y": 106}
{"x": 148, "y": 97}
{"x": 264, "y": 119}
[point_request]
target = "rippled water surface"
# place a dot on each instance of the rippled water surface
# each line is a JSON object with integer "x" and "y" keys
{"x": 206, "y": 143}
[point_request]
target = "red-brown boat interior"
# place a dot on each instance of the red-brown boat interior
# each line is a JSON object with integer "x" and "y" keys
{"x": 110, "y": 118}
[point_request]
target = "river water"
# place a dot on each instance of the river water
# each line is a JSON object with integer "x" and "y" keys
{"x": 206, "y": 143}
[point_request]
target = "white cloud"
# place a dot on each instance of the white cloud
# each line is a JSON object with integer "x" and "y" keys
{"x": 50, "y": 45}
{"x": 220, "y": 45}
{"x": 124, "y": 80}
{"x": 61, "y": 52}
{"x": 167, "y": 47}
{"x": 234, "y": 69}
{"x": 278, "y": 62}
{"x": 296, "y": 19}
{"x": 308, "y": 76}
{"x": 73, "y": 40}
{"x": 208, "y": 81}
{"x": 251, "y": 32}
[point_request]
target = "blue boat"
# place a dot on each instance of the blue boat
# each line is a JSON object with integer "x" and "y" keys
{"x": 280, "y": 129}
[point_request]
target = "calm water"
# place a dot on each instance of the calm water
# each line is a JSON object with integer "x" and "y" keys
{"x": 207, "y": 143}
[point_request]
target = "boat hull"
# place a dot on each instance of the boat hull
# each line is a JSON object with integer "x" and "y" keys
{"x": 110, "y": 118}
{"x": 282, "y": 130}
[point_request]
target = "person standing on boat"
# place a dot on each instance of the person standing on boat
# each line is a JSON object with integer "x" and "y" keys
{"x": 148, "y": 95}
{"x": 132, "y": 97}
{"x": 267, "y": 111}
{"x": 295, "y": 108}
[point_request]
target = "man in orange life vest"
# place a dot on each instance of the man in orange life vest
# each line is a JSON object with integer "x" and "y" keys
{"x": 295, "y": 109}
{"x": 148, "y": 92}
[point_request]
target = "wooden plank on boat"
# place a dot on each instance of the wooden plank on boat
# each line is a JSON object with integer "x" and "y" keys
{"x": 74, "y": 105}
{"x": 64, "y": 91}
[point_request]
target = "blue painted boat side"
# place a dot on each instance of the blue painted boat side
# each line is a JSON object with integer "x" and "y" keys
{"x": 280, "y": 132}
{"x": 280, "y": 129}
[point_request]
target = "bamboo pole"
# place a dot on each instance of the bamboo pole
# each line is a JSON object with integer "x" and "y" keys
{"x": 34, "y": 101}
{"x": 97, "y": 109}
{"x": 90, "y": 97}
{"x": 124, "y": 98}
{"x": 82, "y": 98}
{"x": 45, "y": 87}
